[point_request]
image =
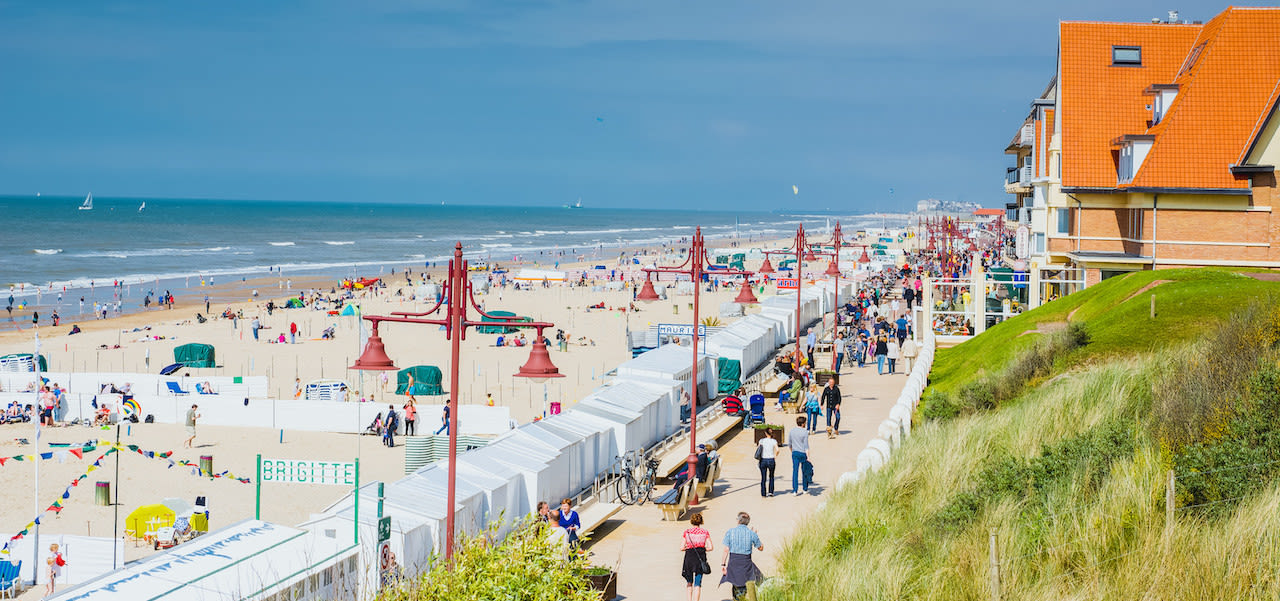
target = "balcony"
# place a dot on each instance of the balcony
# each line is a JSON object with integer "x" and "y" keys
{"x": 1017, "y": 180}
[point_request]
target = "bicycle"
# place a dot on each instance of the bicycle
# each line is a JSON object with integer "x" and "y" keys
{"x": 632, "y": 490}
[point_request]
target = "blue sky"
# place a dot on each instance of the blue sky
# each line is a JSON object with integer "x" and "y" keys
{"x": 714, "y": 104}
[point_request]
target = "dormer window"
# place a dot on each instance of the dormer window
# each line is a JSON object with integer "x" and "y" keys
{"x": 1126, "y": 56}
{"x": 1133, "y": 151}
{"x": 1164, "y": 95}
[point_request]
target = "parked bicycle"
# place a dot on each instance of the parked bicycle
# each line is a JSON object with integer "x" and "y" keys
{"x": 632, "y": 489}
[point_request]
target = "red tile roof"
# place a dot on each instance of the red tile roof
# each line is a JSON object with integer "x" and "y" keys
{"x": 1227, "y": 84}
{"x": 1101, "y": 102}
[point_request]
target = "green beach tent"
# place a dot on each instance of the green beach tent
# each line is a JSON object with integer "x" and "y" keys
{"x": 350, "y": 310}
{"x": 195, "y": 355}
{"x": 426, "y": 380}
{"x": 294, "y": 303}
{"x": 501, "y": 329}
{"x": 730, "y": 374}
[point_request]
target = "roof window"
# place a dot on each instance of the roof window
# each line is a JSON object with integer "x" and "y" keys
{"x": 1126, "y": 56}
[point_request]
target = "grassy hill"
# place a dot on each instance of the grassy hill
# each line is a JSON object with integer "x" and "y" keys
{"x": 1056, "y": 432}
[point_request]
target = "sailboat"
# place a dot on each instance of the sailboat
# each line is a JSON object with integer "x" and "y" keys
{"x": 576, "y": 205}
{"x": 142, "y": 206}
{"x": 87, "y": 205}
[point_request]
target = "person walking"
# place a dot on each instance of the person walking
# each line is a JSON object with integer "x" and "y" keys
{"x": 410, "y": 417}
{"x": 255, "y": 325}
{"x": 293, "y": 332}
{"x": 910, "y": 350}
{"x": 736, "y": 566}
{"x": 445, "y": 426}
{"x": 831, "y": 398}
{"x": 881, "y": 352}
{"x": 695, "y": 542}
{"x": 892, "y": 354}
{"x": 810, "y": 341}
{"x": 812, "y": 406}
{"x": 798, "y": 440}
{"x": 192, "y": 416}
{"x": 767, "y": 461}
{"x": 838, "y": 346}
{"x": 389, "y": 427}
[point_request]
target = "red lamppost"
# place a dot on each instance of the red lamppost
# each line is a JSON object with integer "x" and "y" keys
{"x": 457, "y": 295}
{"x": 695, "y": 264}
{"x": 798, "y": 248}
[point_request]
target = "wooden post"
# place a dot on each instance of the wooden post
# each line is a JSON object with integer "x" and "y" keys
{"x": 1153, "y": 305}
{"x": 1169, "y": 502}
{"x": 995, "y": 566}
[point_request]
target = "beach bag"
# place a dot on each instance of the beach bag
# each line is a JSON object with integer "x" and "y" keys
{"x": 151, "y": 419}
{"x": 62, "y": 562}
{"x": 703, "y": 566}
{"x": 759, "y": 453}
{"x": 811, "y": 406}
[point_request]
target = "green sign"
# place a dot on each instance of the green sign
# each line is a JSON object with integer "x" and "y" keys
{"x": 384, "y": 528}
{"x": 304, "y": 471}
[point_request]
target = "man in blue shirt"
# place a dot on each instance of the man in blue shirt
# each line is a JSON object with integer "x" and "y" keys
{"x": 902, "y": 329}
{"x": 737, "y": 567}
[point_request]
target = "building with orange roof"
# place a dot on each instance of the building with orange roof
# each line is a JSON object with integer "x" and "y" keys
{"x": 1159, "y": 147}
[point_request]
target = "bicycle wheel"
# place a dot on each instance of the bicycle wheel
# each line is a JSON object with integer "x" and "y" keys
{"x": 645, "y": 492}
{"x": 627, "y": 488}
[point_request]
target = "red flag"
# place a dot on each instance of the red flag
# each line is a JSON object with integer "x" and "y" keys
{"x": 79, "y": 453}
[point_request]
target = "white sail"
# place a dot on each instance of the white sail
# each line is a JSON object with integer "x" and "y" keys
{"x": 87, "y": 205}
{"x": 142, "y": 206}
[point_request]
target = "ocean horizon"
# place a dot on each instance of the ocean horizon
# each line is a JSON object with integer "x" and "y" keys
{"x": 120, "y": 239}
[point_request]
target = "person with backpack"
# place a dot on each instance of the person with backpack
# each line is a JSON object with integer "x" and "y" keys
{"x": 812, "y": 406}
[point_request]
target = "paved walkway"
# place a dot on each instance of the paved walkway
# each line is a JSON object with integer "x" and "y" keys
{"x": 647, "y": 548}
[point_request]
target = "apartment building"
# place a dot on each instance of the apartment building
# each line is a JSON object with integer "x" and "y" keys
{"x": 1154, "y": 146}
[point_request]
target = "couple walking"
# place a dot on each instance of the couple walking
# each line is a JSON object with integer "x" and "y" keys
{"x": 736, "y": 566}
{"x": 801, "y": 468}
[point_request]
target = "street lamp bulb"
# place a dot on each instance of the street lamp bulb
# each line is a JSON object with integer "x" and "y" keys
{"x": 539, "y": 367}
{"x": 374, "y": 357}
{"x": 647, "y": 293}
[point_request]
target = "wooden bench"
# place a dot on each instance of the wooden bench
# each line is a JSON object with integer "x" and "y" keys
{"x": 675, "y": 502}
{"x": 773, "y": 386}
{"x": 596, "y": 514}
{"x": 706, "y": 489}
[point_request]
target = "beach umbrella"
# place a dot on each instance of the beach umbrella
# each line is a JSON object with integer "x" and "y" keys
{"x": 147, "y": 519}
{"x": 170, "y": 369}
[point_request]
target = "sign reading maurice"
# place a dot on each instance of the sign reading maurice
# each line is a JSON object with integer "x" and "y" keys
{"x": 305, "y": 471}
{"x": 680, "y": 329}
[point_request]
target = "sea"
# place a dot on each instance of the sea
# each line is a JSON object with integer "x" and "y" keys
{"x": 53, "y": 246}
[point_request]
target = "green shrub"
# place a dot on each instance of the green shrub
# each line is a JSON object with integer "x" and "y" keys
{"x": 938, "y": 405}
{"x": 525, "y": 565}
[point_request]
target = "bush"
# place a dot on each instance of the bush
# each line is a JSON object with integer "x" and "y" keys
{"x": 988, "y": 392}
{"x": 526, "y": 565}
{"x": 938, "y": 405}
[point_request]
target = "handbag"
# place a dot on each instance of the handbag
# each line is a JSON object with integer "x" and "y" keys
{"x": 759, "y": 456}
{"x": 703, "y": 565}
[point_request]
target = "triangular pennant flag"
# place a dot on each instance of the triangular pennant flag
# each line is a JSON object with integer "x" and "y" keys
{"x": 67, "y": 495}
{"x": 133, "y": 447}
{"x": 19, "y": 458}
{"x": 79, "y": 453}
{"x": 91, "y": 469}
{"x": 62, "y": 456}
{"x": 37, "y": 521}
{"x": 2, "y": 460}
{"x": 151, "y": 454}
{"x": 48, "y": 455}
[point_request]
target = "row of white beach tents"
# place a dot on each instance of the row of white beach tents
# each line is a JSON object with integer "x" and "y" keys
{"x": 563, "y": 454}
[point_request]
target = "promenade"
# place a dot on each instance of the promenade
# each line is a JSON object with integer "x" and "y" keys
{"x": 647, "y": 549}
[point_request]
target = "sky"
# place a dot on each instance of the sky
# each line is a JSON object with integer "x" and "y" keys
{"x": 714, "y": 104}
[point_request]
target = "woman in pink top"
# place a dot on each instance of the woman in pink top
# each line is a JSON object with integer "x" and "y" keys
{"x": 695, "y": 542}
{"x": 410, "y": 417}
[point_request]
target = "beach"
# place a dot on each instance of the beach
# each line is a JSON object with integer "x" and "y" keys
{"x": 597, "y": 344}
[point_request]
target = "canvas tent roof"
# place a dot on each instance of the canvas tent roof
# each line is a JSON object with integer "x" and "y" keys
{"x": 195, "y": 355}
{"x": 426, "y": 380}
{"x": 501, "y": 329}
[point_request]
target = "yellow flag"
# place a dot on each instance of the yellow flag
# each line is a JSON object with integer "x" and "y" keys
{"x": 91, "y": 469}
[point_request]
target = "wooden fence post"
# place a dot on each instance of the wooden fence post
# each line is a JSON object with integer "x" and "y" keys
{"x": 1169, "y": 502}
{"x": 995, "y": 567}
